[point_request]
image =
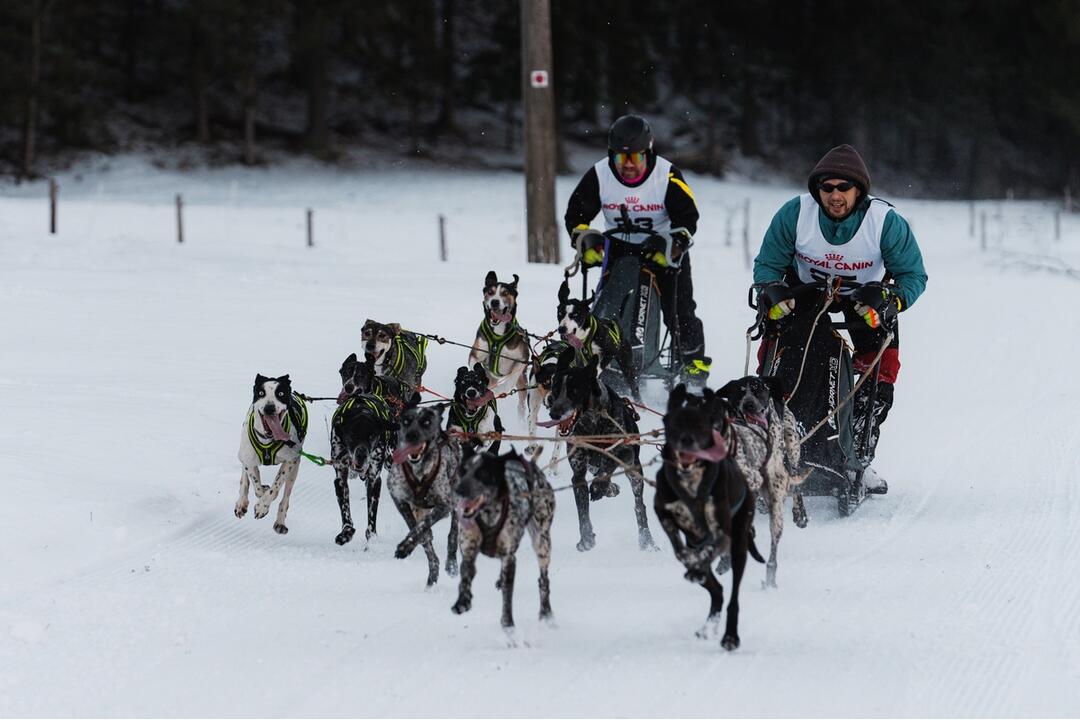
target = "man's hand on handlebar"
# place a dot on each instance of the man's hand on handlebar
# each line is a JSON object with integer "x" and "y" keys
{"x": 776, "y": 296}
{"x": 877, "y": 304}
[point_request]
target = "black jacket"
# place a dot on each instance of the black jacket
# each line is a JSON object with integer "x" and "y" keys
{"x": 585, "y": 201}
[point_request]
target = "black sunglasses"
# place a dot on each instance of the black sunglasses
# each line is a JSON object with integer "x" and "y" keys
{"x": 842, "y": 186}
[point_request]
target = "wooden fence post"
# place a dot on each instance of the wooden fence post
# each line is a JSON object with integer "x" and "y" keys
{"x": 179, "y": 219}
{"x": 442, "y": 238}
{"x": 310, "y": 236}
{"x": 53, "y": 188}
{"x": 982, "y": 223}
{"x": 746, "y": 234}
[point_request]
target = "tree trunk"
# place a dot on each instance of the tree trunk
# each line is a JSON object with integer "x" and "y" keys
{"x": 314, "y": 31}
{"x": 250, "y": 97}
{"x": 543, "y": 234}
{"x": 748, "y": 125}
{"x": 199, "y": 75}
{"x": 447, "y": 52}
{"x": 32, "y": 90}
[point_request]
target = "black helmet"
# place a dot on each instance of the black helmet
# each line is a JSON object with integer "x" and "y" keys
{"x": 630, "y": 133}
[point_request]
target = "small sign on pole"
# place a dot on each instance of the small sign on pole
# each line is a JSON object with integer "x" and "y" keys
{"x": 538, "y": 78}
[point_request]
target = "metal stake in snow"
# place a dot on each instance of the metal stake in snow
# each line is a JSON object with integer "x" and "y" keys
{"x": 310, "y": 236}
{"x": 179, "y": 219}
{"x": 442, "y": 238}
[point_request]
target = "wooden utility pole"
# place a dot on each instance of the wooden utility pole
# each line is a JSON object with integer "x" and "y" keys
{"x": 33, "y": 87}
{"x": 543, "y": 232}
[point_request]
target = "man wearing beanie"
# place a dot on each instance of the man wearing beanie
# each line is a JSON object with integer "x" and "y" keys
{"x": 839, "y": 229}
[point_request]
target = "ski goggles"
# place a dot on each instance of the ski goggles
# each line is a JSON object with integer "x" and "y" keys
{"x": 621, "y": 157}
{"x": 841, "y": 186}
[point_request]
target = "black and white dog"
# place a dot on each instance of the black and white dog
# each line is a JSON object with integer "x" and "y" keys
{"x": 359, "y": 377}
{"x": 580, "y": 405}
{"x": 273, "y": 433}
{"x": 395, "y": 353}
{"x": 595, "y": 336}
{"x": 426, "y": 463}
{"x": 501, "y": 345}
{"x": 766, "y": 450}
{"x": 704, "y": 504}
{"x": 361, "y": 440}
{"x": 498, "y": 498}
{"x": 473, "y": 410}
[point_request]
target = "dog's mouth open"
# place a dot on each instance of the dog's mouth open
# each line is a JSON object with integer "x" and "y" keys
{"x": 574, "y": 340}
{"x": 564, "y": 425}
{"x": 499, "y": 317}
{"x": 272, "y": 425}
{"x": 412, "y": 453}
{"x": 712, "y": 454}
{"x": 479, "y": 401}
{"x": 468, "y": 508}
{"x": 756, "y": 418}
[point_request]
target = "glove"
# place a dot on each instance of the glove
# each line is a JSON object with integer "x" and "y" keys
{"x": 658, "y": 258}
{"x": 776, "y": 297}
{"x": 680, "y": 242}
{"x": 593, "y": 256}
{"x": 876, "y": 305}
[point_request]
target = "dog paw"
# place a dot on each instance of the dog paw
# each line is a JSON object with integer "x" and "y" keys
{"x": 402, "y": 551}
{"x": 261, "y": 510}
{"x": 240, "y": 510}
{"x": 695, "y": 576}
{"x": 345, "y": 535}
{"x": 280, "y": 529}
{"x": 600, "y": 490}
{"x": 452, "y": 569}
{"x": 369, "y": 533}
{"x": 723, "y": 564}
{"x": 709, "y": 630}
{"x": 461, "y": 606}
{"x": 800, "y": 519}
{"x": 587, "y": 542}
{"x": 730, "y": 642}
{"x": 645, "y": 541}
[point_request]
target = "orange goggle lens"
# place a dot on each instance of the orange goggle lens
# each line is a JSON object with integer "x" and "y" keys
{"x": 637, "y": 157}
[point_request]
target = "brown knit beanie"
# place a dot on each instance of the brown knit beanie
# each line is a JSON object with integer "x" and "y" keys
{"x": 843, "y": 161}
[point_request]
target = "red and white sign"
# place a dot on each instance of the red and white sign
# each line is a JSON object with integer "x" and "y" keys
{"x": 538, "y": 78}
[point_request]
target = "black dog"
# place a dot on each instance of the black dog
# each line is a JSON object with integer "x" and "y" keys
{"x": 579, "y": 404}
{"x": 361, "y": 440}
{"x": 595, "y": 336}
{"x": 473, "y": 410}
{"x": 498, "y": 498}
{"x": 704, "y": 504}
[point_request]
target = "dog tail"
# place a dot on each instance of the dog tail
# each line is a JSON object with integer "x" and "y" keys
{"x": 797, "y": 478}
{"x": 753, "y": 548}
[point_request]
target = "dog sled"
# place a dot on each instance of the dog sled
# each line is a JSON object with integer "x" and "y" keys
{"x": 628, "y": 292}
{"x": 806, "y": 350}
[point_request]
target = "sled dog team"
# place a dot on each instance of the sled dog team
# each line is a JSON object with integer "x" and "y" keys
{"x": 722, "y": 451}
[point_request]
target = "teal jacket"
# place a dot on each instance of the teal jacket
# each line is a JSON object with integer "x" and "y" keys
{"x": 899, "y": 251}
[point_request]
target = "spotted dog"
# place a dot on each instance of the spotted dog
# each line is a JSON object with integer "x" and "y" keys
{"x": 760, "y": 401}
{"x": 426, "y": 462}
{"x": 498, "y": 497}
{"x": 395, "y": 353}
{"x": 361, "y": 440}
{"x": 595, "y": 336}
{"x": 761, "y": 456}
{"x": 580, "y": 405}
{"x": 272, "y": 434}
{"x": 501, "y": 345}
{"x": 473, "y": 410}
{"x": 704, "y": 504}
{"x": 359, "y": 377}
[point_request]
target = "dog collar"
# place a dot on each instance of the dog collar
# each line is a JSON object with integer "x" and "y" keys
{"x": 489, "y": 534}
{"x": 421, "y": 488}
{"x": 470, "y": 422}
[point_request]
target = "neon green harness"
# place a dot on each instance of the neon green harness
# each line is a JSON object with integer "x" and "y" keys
{"x": 417, "y": 350}
{"x": 377, "y": 405}
{"x": 496, "y": 343}
{"x": 470, "y": 423}
{"x": 267, "y": 451}
{"x": 613, "y": 331}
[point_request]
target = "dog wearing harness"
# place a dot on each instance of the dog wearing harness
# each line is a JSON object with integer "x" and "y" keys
{"x": 473, "y": 410}
{"x": 362, "y": 435}
{"x": 501, "y": 345}
{"x": 425, "y": 463}
{"x": 498, "y": 498}
{"x": 395, "y": 353}
{"x": 360, "y": 378}
{"x": 601, "y": 337}
{"x": 581, "y": 405}
{"x": 704, "y": 503}
{"x": 273, "y": 433}
{"x": 763, "y": 457}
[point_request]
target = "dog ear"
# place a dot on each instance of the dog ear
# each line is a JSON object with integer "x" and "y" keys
{"x": 589, "y": 302}
{"x": 566, "y": 358}
{"x": 728, "y": 390}
{"x": 413, "y": 400}
{"x": 395, "y": 328}
{"x": 467, "y": 451}
{"x": 564, "y": 292}
{"x": 461, "y": 372}
{"x": 260, "y": 379}
{"x": 677, "y": 397}
{"x": 283, "y": 380}
{"x": 491, "y": 279}
{"x": 478, "y": 368}
{"x": 351, "y": 358}
{"x": 512, "y": 287}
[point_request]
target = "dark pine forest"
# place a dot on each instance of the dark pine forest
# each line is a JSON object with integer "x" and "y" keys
{"x": 956, "y": 98}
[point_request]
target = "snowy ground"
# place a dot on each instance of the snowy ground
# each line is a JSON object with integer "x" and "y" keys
{"x": 130, "y": 588}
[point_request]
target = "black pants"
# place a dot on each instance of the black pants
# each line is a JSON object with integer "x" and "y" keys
{"x": 691, "y": 331}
